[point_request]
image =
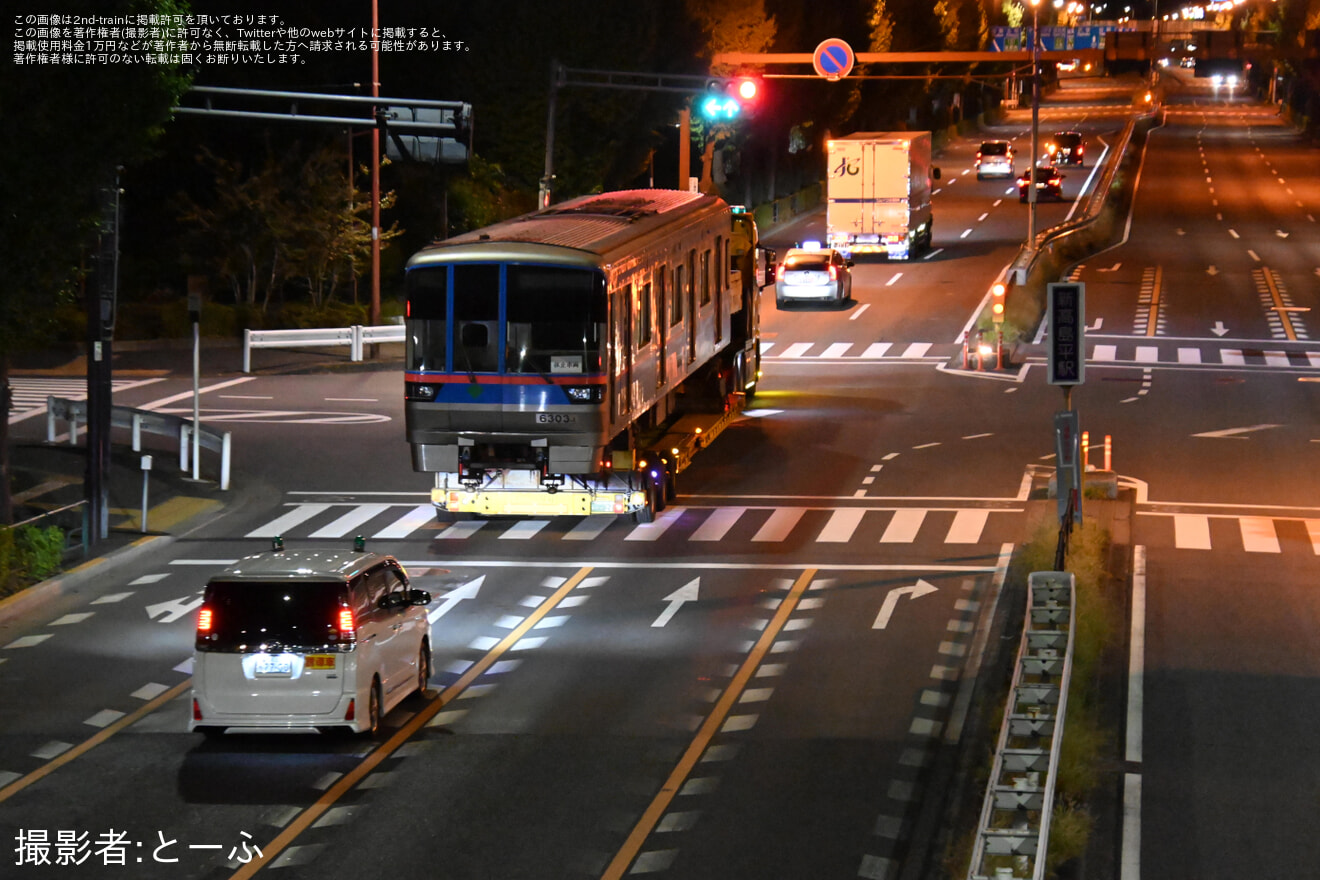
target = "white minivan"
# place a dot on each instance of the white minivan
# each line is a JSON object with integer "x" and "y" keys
{"x": 308, "y": 640}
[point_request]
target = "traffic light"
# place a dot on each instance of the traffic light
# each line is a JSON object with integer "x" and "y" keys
{"x": 727, "y": 99}
{"x": 997, "y": 295}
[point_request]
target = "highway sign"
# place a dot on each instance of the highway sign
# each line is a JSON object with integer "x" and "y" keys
{"x": 833, "y": 59}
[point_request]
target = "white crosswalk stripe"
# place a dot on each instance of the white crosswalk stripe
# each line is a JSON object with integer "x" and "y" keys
{"x": 30, "y": 393}
{"x": 1255, "y": 534}
{"x": 1210, "y": 355}
{"x": 848, "y": 351}
{"x": 763, "y": 525}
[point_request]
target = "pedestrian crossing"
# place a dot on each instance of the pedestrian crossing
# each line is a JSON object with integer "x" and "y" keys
{"x": 30, "y": 393}
{"x": 1251, "y": 534}
{"x": 698, "y": 525}
{"x": 1195, "y": 355}
{"x": 884, "y": 351}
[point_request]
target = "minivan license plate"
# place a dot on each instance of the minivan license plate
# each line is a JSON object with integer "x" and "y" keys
{"x": 281, "y": 664}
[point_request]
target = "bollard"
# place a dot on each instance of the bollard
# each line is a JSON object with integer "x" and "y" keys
{"x": 1086, "y": 450}
{"x": 146, "y": 474}
{"x": 964, "y": 350}
{"x": 1108, "y": 450}
{"x": 999, "y": 350}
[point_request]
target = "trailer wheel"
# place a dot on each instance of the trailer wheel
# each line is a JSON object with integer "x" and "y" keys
{"x": 655, "y": 499}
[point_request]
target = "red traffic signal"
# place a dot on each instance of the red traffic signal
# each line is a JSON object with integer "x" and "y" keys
{"x": 748, "y": 88}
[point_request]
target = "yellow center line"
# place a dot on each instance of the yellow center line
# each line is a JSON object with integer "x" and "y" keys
{"x": 1279, "y": 307}
{"x": 87, "y": 745}
{"x": 1155, "y": 301}
{"x": 707, "y": 732}
{"x": 346, "y": 782}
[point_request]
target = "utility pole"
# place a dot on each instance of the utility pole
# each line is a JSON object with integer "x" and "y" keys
{"x": 1035, "y": 124}
{"x": 101, "y": 300}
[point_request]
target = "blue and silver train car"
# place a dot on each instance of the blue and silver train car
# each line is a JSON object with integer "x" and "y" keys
{"x": 543, "y": 349}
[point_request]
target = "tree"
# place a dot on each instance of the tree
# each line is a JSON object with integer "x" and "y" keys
{"x": 729, "y": 26}
{"x": 64, "y": 129}
{"x": 297, "y": 218}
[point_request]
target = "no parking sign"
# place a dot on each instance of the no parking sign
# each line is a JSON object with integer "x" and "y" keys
{"x": 833, "y": 59}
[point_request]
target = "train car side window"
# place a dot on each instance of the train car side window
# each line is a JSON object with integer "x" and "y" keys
{"x": 428, "y": 304}
{"x": 676, "y": 303}
{"x": 705, "y": 277}
{"x": 643, "y": 334}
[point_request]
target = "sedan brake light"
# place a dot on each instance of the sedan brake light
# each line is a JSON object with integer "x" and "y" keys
{"x": 779, "y": 273}
{"x": 834, "y": 273}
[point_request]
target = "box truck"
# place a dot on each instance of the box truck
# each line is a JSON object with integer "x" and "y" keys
{"x": 878, "y": 193}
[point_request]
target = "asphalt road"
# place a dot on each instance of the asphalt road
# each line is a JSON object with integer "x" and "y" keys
{"x": 756, "y": 684}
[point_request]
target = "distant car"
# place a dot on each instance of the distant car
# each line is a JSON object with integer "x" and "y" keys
{"x": 308, "y": 640}
{"x": 821, "y": 275}
{"x": 994, "y": 159}
{"x": 1049, "y": 183}
{"x": 1066, "y": 148}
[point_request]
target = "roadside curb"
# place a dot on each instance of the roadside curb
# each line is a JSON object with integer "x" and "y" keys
{"x": 71, "y": 581}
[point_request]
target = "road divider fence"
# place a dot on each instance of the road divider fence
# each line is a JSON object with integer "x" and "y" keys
{"x": 356, "y": 337}
{"x": 1013, "y": 836}
{"x": 139, "y": 422}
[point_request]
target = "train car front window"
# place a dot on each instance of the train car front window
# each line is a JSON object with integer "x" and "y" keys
{"x": 477, "y": 318}
{"x": 428, "y": 296}
{"x": 556, "y": 320}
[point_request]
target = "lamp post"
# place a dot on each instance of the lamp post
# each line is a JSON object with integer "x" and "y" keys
{"x": 1035, "y": 124}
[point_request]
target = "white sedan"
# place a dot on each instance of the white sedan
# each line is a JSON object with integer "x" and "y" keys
{"x": 820, "y": 275}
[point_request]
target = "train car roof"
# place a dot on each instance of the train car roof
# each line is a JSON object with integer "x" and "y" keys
{"x": 592, "y": 225}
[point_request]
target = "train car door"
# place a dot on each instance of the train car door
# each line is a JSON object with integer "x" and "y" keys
{"x": 661, "y": 322}
{"x": 621, "y": 353}
{"x": 690, "y": 294}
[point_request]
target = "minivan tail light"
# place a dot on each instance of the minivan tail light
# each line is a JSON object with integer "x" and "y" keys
{"x": 205, "y": 620}
{"x": 352, "y": 710}
{"x": 779, "y": 273}
{"x": 197, "y": 710}
{"x": 345, "y": 621}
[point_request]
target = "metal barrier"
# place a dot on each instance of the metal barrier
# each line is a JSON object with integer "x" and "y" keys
{"x": 140, "y": 421}
{"x": 354, "y": 337}
{"x": 1014, "y": 833}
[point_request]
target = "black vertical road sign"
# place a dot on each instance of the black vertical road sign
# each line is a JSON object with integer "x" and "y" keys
{"x": 1066, "y": 307}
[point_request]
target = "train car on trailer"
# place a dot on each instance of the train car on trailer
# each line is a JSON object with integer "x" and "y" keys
{"x": 571, "y": 360}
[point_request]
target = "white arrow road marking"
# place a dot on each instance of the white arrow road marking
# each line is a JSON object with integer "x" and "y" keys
{"x": 1232, "y": 433}
{"x": 685, "y": 593}
{"x": 920, "y": 588}
{"x": 174, "y": 609}
{"x": 1099, "y": 322}
{"x": 1219, "y": 329}
{"x": 454, "y": 596}
{"x": 1280, "y": 233}
{"x": 1113, "y": 268}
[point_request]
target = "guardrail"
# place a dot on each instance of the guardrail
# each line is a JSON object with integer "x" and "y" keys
{"x": 140, "y": 421}
{"x": 1014, "y": 833}
{"x": 355, "y": 337}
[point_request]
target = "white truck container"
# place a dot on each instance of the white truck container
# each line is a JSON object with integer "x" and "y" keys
{"x": 878, "y": 193}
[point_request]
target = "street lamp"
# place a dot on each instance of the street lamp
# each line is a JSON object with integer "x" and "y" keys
{"x": 1035, "y": 124}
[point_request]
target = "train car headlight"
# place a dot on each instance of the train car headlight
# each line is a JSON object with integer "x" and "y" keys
{"x": 420, "y": 390}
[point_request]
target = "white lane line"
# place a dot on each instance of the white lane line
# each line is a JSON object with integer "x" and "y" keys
{"x": 281, "y": 524}
{"x": 1136, "y": 657}
{"x": 965, "y": 233}
{"x": 717, "y": 525}
{"x": 1233, "y": 232}
{"x": 903, "y": 528}
{"x": 857, "y": 313}
{"x": 967, "y": 527}
{"x": 890, "y": 282}
{"x": 408, "y": 523}
{"x": 1258, "y": 535}
{"x": 1191, "y": 532}
{"x": 780, "y": 523}
{"x": 183, "y": 395}
{"x": 841, "y": 526}
{"x": 350, "y": 521}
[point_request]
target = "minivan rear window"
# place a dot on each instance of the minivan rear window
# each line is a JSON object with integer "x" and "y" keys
{"x": 994, "y": 148}
{"x": 251, "y": 616}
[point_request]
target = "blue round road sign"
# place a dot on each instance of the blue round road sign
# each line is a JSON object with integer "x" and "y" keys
{"x": 833, "y": 58}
